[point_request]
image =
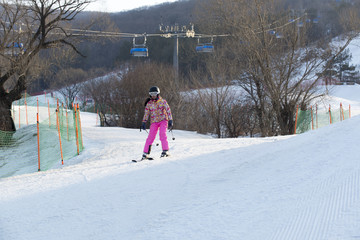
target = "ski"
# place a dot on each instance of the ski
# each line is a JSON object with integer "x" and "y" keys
{"x": 150, "y": 158}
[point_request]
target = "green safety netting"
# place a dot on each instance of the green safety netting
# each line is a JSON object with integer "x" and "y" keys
{"x": 313, "y": 119}
{"x": 19, "y": 150}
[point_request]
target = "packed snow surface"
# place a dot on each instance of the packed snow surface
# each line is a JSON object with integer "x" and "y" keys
{"x": 305, "y": 186}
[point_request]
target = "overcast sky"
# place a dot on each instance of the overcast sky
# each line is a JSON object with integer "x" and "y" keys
{"x": 122, "y": 5}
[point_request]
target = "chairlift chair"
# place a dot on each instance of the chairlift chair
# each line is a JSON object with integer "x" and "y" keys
{"x": 205, "y": 47}
{"x": 279, "y": 35}
{"x": 139, "y": 50}
{"x": 15, "y": 48}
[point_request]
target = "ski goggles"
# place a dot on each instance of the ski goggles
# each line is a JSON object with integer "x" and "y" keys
{"x": 153, "y": 93}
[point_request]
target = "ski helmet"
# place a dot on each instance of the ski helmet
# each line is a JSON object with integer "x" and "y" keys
{"x": 154, "y": 91}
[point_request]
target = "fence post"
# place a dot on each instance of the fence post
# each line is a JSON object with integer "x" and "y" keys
{"x": 296, "y": 118}
{"x": 349, "y": 111}
{"x": 77, "y": 133}
{"x": 340, "y": 112}
{"x": 82, "y": 145}
{"x": 38, "y": 139}
{"x": 58, "y": 128}
{"x": 312, "y": 119}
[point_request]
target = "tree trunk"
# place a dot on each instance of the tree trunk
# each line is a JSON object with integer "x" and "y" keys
{"x": 286, "y": 120}
{"x": 6, "y": 121}
{"x": 6, "y": 99}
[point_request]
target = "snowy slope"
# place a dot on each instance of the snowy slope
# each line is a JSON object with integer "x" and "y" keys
{"x": 294, "y": 187}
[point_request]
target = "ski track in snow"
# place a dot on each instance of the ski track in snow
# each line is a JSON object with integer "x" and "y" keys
{"x": 334, "y": 198}
{"x": 303, "y": 187}
{"x": 335, "y": 201}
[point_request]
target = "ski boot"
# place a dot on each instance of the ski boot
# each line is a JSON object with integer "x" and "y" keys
{"x": 145, "y": 156}
{"x": 165, "y": 153}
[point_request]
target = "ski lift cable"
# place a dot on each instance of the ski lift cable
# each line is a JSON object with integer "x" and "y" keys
{"x": 132, "y": 35}
{"x": 284, "y": 25}
{"x": 95, "y": 33}
{"x": 84, "y": 32}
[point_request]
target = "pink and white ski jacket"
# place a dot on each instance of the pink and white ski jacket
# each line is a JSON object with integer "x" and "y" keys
{"x": 158, "y": 109}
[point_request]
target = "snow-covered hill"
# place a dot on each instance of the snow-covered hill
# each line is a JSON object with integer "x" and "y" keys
{"x": 294, "y": 187}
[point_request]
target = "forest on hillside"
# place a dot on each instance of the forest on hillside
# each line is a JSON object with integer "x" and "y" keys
{"x": 106, "y": 54}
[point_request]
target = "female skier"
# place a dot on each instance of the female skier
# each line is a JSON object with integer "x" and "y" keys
{"x": 160, "y": 118}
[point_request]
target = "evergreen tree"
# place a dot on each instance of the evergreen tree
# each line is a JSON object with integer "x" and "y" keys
{"x": 340, "y": 69}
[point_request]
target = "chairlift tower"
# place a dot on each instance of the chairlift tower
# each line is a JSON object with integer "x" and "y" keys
{"x": 177, "y": 31}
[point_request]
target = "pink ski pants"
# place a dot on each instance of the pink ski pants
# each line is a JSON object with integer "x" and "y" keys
{"x": 154, "y": 127}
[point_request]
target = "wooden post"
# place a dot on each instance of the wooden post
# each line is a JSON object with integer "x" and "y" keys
{"x": 37, "y": 102}
{"x": 296, "y": 118}
{"x": 349, "y": 111}
{"x": 77, "y": 133}
{"x": 38, "y": 139}
{"x": 312, "y": 119}
{"x": 58, "y": 127}
{"x": 82, "y": 145}
{"x": 57, "y": 110}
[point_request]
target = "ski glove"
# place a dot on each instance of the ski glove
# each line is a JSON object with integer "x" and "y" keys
{"x": 143, "y": 126}
{"x": 170, "y": 124}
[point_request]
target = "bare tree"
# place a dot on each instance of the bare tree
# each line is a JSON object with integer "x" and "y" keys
{"x": 214, "y": 93}
{"x": 69, "y": 83}
{"x": 26, "y": 27}
{"x": 271, "y": 57}
{"x": 99, "y": 90}
{"x": 121, "y": 99}
{"x": 240, "y": 119}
